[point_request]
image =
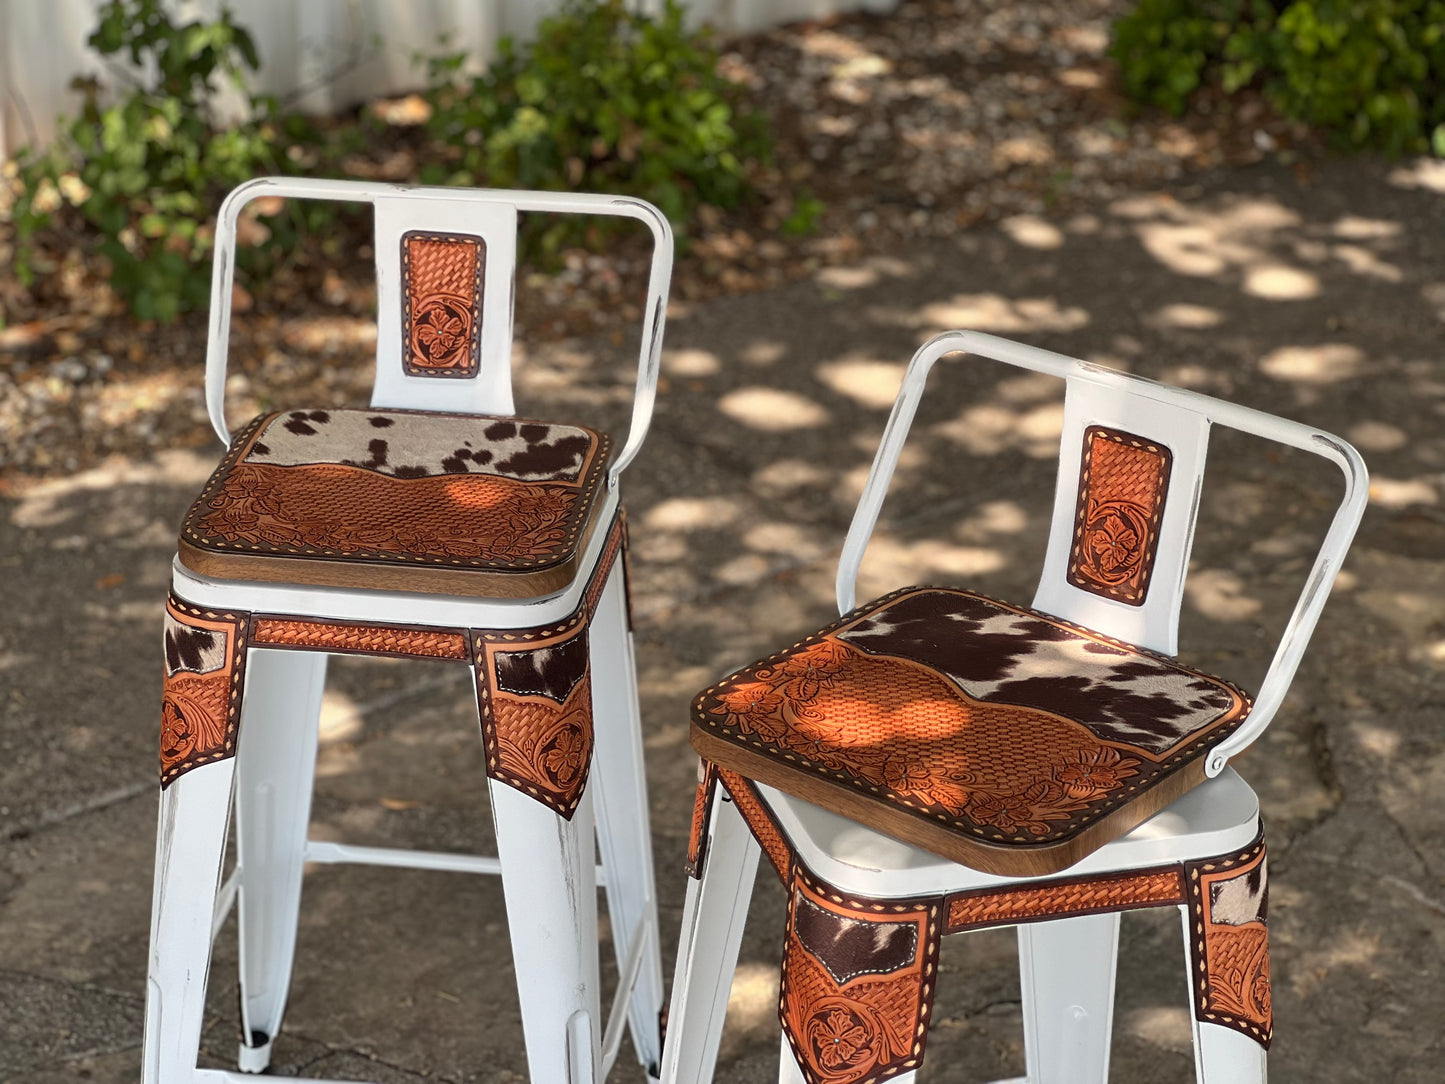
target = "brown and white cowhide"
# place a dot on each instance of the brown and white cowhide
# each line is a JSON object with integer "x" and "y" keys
{"x": 193, "y": 649}
{"x": 1241, "y": 900}
{"x": 406, "y": 445}
{"x": 1002, "y": 657}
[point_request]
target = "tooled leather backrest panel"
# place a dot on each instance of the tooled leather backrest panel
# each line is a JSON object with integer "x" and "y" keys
{"x": 1123, "y": 480}
{"x": 442, "y": 277}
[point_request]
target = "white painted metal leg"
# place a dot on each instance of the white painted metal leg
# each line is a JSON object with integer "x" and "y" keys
{"x": 190, "y": 844}
{"x": 275, "y": 763}
{"x": 788, "y": 1071}
{"x": 1225, "y": 1056}
{"x": 1221, "y": 1055}
{"x": 1066, "y": 973}
{"x": 619, "y": 787}
{"x": 549, "y": 876}
{"x": 712, "y": 932}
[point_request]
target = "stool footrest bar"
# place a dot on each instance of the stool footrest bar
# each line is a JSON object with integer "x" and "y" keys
{"x": 642, "y": 933}
{"x": 328, "y": 853}
{"x": 225, "y": 900}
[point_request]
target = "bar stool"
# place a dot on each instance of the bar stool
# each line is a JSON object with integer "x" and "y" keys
{"x": 936, "y": 761}
{"x": 432, "y": 524}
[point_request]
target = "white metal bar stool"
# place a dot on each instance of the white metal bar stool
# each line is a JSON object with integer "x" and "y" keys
{"x": 432, "y": 524}
{"x": 937, "y": 761}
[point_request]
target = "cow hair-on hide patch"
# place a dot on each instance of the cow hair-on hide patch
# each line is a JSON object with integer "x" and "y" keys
{"x": 424, "y": 445}
{"x": 1003, "y": 657}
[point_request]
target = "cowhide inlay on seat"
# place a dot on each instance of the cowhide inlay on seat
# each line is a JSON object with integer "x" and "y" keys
{"x": 401, "y": 500}
{"x": 997, "y": 736}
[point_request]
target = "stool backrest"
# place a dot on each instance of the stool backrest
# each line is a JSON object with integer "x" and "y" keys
{"x": 446, "y": 263}
{"x": 1131, "y": 470}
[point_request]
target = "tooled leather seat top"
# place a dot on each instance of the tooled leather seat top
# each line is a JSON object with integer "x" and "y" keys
{"x": 401, "y": 488}
{"x": 978, "y": 718}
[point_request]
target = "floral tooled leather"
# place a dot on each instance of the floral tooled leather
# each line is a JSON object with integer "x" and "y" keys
{"x": 464, "y": 515}
{"x": 974, "y": 735}
{"x": 534, "y": 692}
{"x": 442, "y": 284}
{"x": 201, "y": 701}
{"x": 858, "y": 982}
{"x": 1122, "y": 482}
{"x": 1229, "y": 913}
{"x": 357, "y": 513}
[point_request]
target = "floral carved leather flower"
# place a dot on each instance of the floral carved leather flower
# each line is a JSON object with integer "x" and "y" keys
{"x": 1091, "y": 772}
{"x": 840, "y": 1039}
{"x": 1114, "y": 543}
{"x": 441, "y": 332}
{"x": 563, "y": 760}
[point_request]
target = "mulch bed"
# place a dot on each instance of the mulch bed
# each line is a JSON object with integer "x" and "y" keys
{"x": 943, "y": 115}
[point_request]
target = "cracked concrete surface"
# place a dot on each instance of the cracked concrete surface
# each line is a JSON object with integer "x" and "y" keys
{"x": 1321, "y": 299}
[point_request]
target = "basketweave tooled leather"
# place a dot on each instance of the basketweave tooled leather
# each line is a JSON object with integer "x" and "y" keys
{"x": 409, "y": 491}
{"x": 977, "y": 718}
{"x": 1122, "y": 483}
{"x": 360, "y": 638}
{"x": 201, "y": 701}
{"x": 1229, "y": 941}
{"x": 534, "y": 694}
{"x": 858, "y": 982}
{"x": 442, "y": 277}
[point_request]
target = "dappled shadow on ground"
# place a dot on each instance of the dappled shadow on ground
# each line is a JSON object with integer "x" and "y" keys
{"x": 1319, "y": 301}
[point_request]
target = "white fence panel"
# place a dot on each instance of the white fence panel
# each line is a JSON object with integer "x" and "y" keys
{"x": 321, "y": 54}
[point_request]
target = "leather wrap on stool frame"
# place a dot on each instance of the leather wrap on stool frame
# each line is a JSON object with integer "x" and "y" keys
{"x": 205, "y": 673}
{"x": 533, "y": 686}
{"x": 534, "y": 692}
{"x": 856, "y": 983}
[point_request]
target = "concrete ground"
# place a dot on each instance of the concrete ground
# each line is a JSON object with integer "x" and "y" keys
{"x": 1318, "y": 297}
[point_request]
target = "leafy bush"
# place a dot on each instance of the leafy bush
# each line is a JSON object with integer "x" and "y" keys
{"x": 146, "y": 171}
{"x": 602, "y": 99}
{"x": 1371, "y": 72}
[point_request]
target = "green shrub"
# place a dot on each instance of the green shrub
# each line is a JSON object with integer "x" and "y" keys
{"x": 147, "y": 170}
{"x": 602, "y": 99}
{"x": 1370, "y": 72}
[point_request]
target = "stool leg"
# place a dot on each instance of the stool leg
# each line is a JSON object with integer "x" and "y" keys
{"x": 1225, "y": 1056}
{"x": 623, "y": 836}
{"x": 549, "y": 877}
{"x": 1222, "y": 1055}
{"x": 190, "y": 843}
{"x": 1066, "y": 971}
{"x": 275, "y": 763}
{"x": 712, "y": 933}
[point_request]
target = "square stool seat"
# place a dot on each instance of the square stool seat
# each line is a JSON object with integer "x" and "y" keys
{"x": 997, "y": 736}
{"x": 400, "y": 500}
